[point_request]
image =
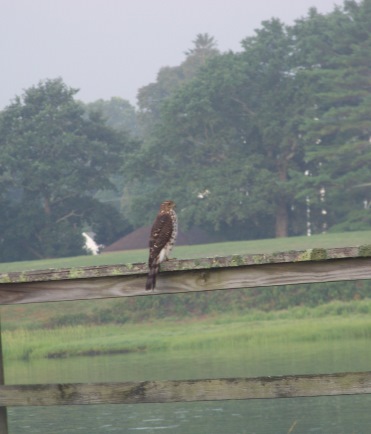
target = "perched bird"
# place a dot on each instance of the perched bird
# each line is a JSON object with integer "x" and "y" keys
{"x": 161, "y": 241}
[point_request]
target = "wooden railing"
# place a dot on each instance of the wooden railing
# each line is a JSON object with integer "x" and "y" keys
{"x": 238, "y": 271}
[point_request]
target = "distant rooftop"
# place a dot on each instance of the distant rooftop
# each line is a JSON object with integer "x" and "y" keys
{"x": 138, "y": 239}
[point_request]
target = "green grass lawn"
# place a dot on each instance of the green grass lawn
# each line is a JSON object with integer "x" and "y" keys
{"x": 347, "y": 239}
{"x": 25, "y": 337}
{"x": 335, "y": 321}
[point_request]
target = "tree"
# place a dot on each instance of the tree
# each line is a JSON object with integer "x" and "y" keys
{"x": 275, "y": 93}
{"x": 234, "y": 143}
{"x": 57, "y": 159}
{"x": 119, "y": 114}
{"x": 335, "y": 54}
{"x": 204, "y": 48}
{"x": 169, "y": 79}
{"x": 228, "y": 141}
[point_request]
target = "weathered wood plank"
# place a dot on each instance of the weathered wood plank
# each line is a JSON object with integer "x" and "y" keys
{"x": 187, "y": 390}
{"x": 205, "y": 279}
{"x": 309, "y": 255}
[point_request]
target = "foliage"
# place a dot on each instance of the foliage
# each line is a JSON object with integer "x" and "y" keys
{"x": 118, "y": 113}
{"x": 56, "y": 159}
{"x": 335, "y": 321}
{"x": 229, "y": 139}
{"x": 337, "y": 63}
{"x": 169, "y": 79}
{"x": 234, "y": 142}
{"x": 107, "y": 223}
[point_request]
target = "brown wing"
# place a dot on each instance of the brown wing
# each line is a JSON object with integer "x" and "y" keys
{"x": 160, "y": 235}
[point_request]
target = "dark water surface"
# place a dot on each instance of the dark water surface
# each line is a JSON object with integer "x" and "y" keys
{"x": 327, "y": 415}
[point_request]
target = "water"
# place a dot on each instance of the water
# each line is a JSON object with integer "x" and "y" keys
{"x": 327, "y": 415}
{"x": 340, "y": 415}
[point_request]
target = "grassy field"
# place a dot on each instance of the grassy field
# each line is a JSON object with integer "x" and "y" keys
{"x": 26, "y": 334}
{"x": 337, "y": 320}
{"x": 203, "y": 250}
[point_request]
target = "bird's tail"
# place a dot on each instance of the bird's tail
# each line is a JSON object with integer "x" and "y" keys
{"x": 151, "y": 279}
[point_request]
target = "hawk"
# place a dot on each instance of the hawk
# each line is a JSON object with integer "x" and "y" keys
{"x": 161, "y": 241}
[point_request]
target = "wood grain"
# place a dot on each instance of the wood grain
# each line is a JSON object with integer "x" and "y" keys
{"x": 309, "y": 255}
{"x": 204, "y": 279}
{"x": 187, "y": 390}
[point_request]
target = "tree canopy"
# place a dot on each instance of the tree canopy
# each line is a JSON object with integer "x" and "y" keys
{"x": 54, "y": 159}
{"x": 235, "y": 143}
{"x": 338, "y": 133}
{"x": 229, "y": 139}
{"x": 169, "y": 79}
{"x": 119, "y": 114}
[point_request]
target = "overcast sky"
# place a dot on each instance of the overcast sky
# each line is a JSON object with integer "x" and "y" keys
{"x": 111, "y": 48}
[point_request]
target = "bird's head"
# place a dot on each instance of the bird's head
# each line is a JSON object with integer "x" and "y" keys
{"x": 167, "y": 205}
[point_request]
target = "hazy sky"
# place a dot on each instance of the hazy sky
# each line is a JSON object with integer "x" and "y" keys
{"x": 114, "y": 47}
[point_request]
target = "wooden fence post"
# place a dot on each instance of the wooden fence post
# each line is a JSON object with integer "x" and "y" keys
{"x": 3, "y": 413}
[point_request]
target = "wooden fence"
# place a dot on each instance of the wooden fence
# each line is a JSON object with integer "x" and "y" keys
{"x": 238, "y": 271}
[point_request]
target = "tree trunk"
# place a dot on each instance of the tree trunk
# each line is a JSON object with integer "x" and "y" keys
{"x": 282, "y": 215}
{"x": 47, "y": 208}
{"x": 281, "y": 220}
